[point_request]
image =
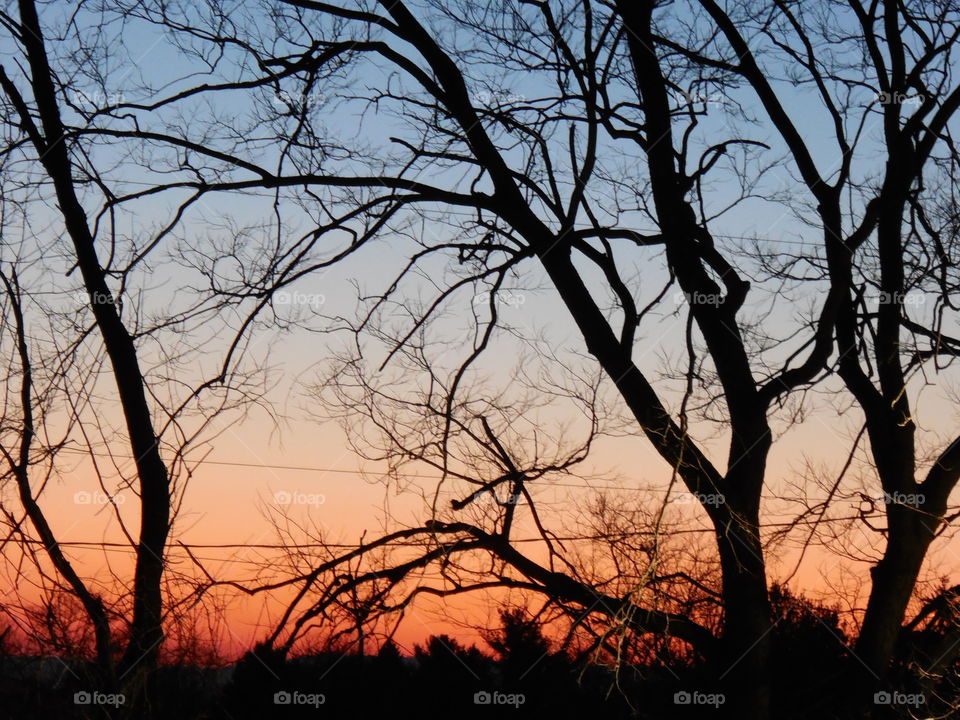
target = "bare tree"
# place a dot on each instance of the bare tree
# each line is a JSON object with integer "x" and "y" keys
{"x": 603, "y": 150}
{"x": 57, "y": 186}
{"x": 534, "y": 171}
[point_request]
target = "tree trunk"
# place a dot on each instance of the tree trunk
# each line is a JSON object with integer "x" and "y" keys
{"x": 747, "y": 638}
{"x": 893, "y": 579}
{"x": 146, "y": 631}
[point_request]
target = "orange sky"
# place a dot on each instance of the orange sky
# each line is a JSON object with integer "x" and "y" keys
{"x": 230, "y": 505}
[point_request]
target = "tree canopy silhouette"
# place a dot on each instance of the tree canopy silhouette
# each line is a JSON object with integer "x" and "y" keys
{"x": 734, "y": 215}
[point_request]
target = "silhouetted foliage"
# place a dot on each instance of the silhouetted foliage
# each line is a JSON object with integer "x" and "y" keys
{"x": 445, "y": 678}
{"x": 810, "y": 652}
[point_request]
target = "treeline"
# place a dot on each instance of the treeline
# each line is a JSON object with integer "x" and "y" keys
{"x": 520, "y": 674}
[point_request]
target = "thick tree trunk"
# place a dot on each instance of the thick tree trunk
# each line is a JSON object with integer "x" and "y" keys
{"x": 146, "y": 631}
{"x": 747, "y": 628}
{"x": 893, "y": 580}
{"x": 747, "y": 638}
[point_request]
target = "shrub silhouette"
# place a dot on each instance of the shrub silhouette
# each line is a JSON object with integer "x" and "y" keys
{"x": 811, "y": 653}
{"x": 443, "y": 676}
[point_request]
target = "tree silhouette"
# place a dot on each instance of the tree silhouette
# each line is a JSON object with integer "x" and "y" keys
{"x": 646, "y": 147}
{"x": 519, "y": 644}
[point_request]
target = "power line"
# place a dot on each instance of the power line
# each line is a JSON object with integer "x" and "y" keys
{"x": 353, "y": 546}
{"x": 423, "y": 476}
{"x": 341, "y": 471}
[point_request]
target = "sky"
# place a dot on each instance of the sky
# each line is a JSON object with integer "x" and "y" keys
{"x": 292, "y": 456}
